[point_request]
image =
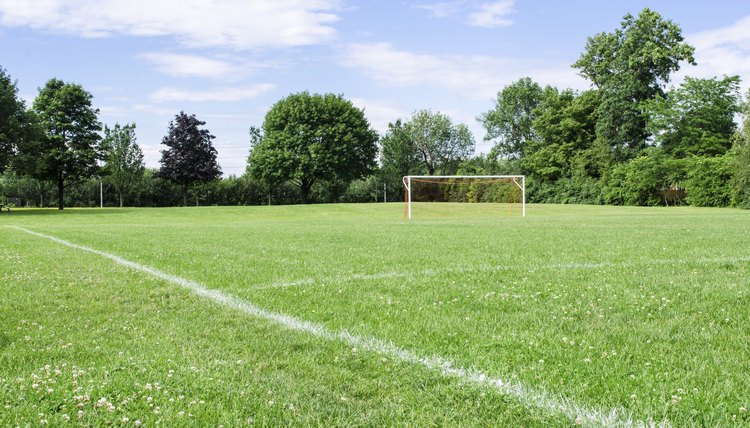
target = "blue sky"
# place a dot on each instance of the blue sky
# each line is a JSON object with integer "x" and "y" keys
{"x": 228, "y": 61}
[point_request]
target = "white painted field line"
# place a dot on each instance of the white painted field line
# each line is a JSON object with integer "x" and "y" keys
{"x": 538, "y": 398}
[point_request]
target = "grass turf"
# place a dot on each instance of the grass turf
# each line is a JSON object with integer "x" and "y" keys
{"x": 643, "y": 309}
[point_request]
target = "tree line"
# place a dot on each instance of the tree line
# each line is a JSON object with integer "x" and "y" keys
{"x": 58, "y": 146}
{"x": 627, "y": 140}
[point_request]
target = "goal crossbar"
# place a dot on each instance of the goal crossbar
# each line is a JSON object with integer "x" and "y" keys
{"x": 518, "y": 180}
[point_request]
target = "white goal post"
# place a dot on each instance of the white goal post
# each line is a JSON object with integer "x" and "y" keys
{"x": 518, "y": 180}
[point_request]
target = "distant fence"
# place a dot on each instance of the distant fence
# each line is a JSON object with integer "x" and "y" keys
{"x": 673, "y": 196}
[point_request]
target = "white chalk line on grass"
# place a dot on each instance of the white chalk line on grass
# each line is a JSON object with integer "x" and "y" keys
{"x": 538, "y": 398}
{"x": 493, "y": 269}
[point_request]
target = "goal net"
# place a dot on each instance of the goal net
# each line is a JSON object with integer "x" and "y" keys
{"x": 506, "y": 193}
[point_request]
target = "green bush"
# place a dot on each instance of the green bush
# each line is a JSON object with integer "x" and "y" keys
{"x": 568, "y": 190}
{"x": 741, "y": 177}
{"x": 642, "y": 180}
{"x": 708, "y": 181}
{"x": 369, "y": 189}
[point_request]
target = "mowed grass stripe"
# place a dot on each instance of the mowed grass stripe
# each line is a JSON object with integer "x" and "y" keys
{"x": 535, "y": 398}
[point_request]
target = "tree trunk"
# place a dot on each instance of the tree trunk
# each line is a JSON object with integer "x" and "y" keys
{"x": 184, "y": 195}
{"x": 121, "y": 199}
{"x": 305, "y": 188}
{"x": 60, "y": 192}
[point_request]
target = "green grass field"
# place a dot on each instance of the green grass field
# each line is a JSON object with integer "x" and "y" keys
{"x": 588, "y": 315}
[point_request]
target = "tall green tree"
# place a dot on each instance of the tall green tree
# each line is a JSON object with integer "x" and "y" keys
{"x": 190, "y": 157}
{"x": 510, "y": 124}
{"x": 440, "y": 145}
{"x": 697, "y": 118}
{"x": 67, "y": 150}
{"x": 13, "y": 119}
{"x": 123, "y": 158}
{"x": 565, "y": 125}
{"x": 311, "y": 137}
{"x": 629, "y": 66}
{"x": 398, "y": 156}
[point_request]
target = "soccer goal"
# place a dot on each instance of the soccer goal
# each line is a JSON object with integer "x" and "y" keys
{"x": 507, "y": 191}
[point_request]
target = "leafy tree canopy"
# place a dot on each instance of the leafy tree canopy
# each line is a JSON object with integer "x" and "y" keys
{"x": 629, "y": 66}
{"x": 67, "y": 150}
{"x": 123, "y": 158}
{"x": 440, "y": 145}
{"x": 565, "y": 124}
{"x": 697, "y": 118}
{"x": 398, "y": 157}
{"x": 398, "y": 154}
{"x": 190, "y": 157}
{"x": 311, "y": 137}
{"x": 510, "y": 123}
{"x": 13, "y": 119}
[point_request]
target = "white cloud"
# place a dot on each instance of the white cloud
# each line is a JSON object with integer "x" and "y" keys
{"x": 236, "y": 24}
{"x": 191, "y": 65}
{"x": 474, "y": 77}
{"x": 488, "y": 14}
{"x": 491, "y": 15}
{"x": 735, "y": 34}
{"x": 223, "y": 94}
{"x": 722, "y": 51}
{"x": 443, "y": 9}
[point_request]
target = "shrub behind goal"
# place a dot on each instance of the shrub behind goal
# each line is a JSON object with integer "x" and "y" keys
{"x": 507, "y": 191}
